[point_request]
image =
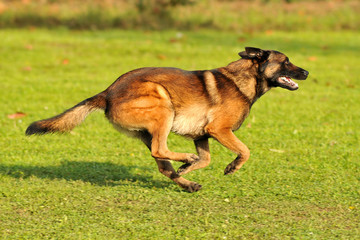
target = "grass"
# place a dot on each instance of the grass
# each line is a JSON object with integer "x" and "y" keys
{"x": 301, "y": 182}
{"x": 244, "y": 16}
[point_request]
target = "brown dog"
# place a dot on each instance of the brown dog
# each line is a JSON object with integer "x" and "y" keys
{"x": 148, "y": 103}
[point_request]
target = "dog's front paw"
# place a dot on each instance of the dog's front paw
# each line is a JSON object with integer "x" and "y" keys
{"x": 192, "y": 158}
{"x": 183, "y": 169}
{"x": 230, "y": 169}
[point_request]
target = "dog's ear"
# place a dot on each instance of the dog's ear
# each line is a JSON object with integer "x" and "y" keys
{"x": 254, "y": 53}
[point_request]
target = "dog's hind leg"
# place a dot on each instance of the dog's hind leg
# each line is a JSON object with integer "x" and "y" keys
{"x": 166, "y": 168}
{"x": 150, "y": 109}
{"x": 202, "y": 148}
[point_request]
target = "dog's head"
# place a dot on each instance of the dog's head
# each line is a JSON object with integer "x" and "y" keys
{"x": 275, "y": 68}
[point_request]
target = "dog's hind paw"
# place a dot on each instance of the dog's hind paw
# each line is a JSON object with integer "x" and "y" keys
{"x": 193, "y": 187}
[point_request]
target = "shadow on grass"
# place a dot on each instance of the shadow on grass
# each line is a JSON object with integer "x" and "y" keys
{"x": 99, "y": 173}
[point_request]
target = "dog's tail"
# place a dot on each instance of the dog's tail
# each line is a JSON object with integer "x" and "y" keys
{"x": 69, "y": 119}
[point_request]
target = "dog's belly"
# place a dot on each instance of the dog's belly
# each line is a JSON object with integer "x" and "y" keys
{"x": 191, "y": 121}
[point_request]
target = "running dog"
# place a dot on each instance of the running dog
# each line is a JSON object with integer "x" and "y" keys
{"x": 148, "y": 103}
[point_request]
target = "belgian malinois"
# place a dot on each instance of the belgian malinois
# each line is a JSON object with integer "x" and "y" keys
{"x": 148, "y": 103}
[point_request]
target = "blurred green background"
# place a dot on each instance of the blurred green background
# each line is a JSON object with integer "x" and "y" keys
{"x": 245, "y": 16}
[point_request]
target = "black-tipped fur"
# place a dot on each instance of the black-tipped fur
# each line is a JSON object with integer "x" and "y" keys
{"x": 35, "y": 128}
{"x": 67, "y": 120}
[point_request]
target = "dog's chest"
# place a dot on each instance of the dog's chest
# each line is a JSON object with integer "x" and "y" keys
{"x": 191, "y": 121}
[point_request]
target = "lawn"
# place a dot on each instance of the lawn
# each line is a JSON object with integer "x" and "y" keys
{"x": 301, "y": 182}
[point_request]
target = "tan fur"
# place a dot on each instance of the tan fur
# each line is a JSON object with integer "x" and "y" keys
{"x": 188, "y": 122}
{"x": 211, "y": 87}
{"x": 72, "y": 118}
{"x": 149, "y": 103}
{"x": 69, "y": 119}
{"x": 246, "y": 81}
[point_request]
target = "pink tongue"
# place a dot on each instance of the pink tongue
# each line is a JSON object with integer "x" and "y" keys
{"x": 292, "y": 83}
{"x": 288, "y": 81}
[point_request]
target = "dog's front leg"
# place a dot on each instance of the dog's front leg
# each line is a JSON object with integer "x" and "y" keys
{"x": 227, "y": 138}
{"x": 202, "y": 148}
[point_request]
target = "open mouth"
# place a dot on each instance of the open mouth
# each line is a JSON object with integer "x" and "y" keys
{"x": 287, "y": 82}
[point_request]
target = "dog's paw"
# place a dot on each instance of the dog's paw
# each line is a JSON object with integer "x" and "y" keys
{"x": 183, "y": 169}
{"x": 229, "y": 169}
{"x": 193, "y": 187}
{"x": 192, "y": 158}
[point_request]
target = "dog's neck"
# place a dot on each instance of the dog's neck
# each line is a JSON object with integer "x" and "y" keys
{"x": 245, "y": 74}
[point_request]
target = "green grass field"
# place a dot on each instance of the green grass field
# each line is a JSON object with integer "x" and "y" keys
{"x": 301, "y": 182}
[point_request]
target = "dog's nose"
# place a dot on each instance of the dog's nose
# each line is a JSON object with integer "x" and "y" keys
{"x": 306, "y": 73}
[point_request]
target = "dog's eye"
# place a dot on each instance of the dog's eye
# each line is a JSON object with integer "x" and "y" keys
{"x": 287, "y": 61}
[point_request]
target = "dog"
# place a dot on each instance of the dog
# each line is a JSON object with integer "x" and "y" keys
{"x": 148, "y": 103}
